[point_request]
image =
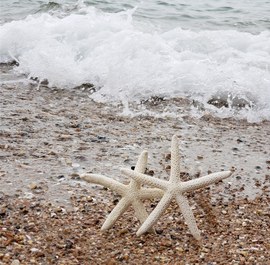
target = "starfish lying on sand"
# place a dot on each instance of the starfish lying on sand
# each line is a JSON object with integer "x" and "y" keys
{"x": 132, "y": 194}
{"x": 175, "y": 189}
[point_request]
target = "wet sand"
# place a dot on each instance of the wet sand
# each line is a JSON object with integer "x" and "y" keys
{"x": 49, "y": 136}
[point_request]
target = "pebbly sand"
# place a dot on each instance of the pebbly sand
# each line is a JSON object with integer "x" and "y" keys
{"x": 49, "y": 216}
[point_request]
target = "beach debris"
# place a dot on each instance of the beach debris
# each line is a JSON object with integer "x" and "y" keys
{"x": 132, "y": 194}
{"x": 153, "y": 100}
{"x": 175, "y": 189}
{"x": 228, "y": 100}
{"x": 88, "y": 87}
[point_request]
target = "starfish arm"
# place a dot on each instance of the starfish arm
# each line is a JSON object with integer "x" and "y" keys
{"x": 140, "y": 167}
{"x": 175, "y": 160}
{"x": 104, "y": 181}
{"x": 155, "y": 214}
{"x": 140, "y": 211}
{"x": 118, "y": 210}
{"x": 204, "y": 181}
{"x": 142, "y": 162}
{"x": 188, "y": 215}
{"x": 146, "y": 193}
{"x": 145, "y": 179}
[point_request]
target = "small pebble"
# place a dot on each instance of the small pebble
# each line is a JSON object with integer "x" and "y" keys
{"x": 15, "y": 262}
{"x": 33, "y": 186}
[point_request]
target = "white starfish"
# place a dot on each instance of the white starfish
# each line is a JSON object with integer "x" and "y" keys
{"x": 132, "y": 194}
{"x": 175, "y": 189}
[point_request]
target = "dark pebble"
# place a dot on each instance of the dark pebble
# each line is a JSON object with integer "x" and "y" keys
{"x": 159, "y": 231}
{"x": 99, "y": 139}
{"x": 150, "y": 172}
{"x": 115, "y": 201}
{"x": 69, "y": 244}
{"x": 2, "y": 212}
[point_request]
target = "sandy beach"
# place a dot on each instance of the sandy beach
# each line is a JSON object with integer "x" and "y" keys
{"x": 49, "y": 216}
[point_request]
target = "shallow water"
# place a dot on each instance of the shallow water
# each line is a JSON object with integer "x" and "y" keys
{"x": 251, "y": 16}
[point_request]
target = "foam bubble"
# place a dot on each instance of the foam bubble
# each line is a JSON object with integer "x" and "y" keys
{"x": 127, "y": 62}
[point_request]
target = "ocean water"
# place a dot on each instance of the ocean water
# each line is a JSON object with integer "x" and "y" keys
{"x": 207, "y": 51}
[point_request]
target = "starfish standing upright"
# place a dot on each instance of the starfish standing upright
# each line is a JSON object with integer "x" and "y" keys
{"x": 175, "y": 189}
{"x": 132, "y": 194}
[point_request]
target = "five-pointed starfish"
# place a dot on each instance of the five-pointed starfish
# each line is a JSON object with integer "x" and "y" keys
{"x": 132, "y": 194}
{"x": 175, "y": 189}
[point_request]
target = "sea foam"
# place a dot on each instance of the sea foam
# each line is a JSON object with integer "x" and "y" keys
{"x": 128, "y": 62}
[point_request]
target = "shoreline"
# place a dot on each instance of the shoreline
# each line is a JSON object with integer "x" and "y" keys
{"x": 49, "y": 137}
